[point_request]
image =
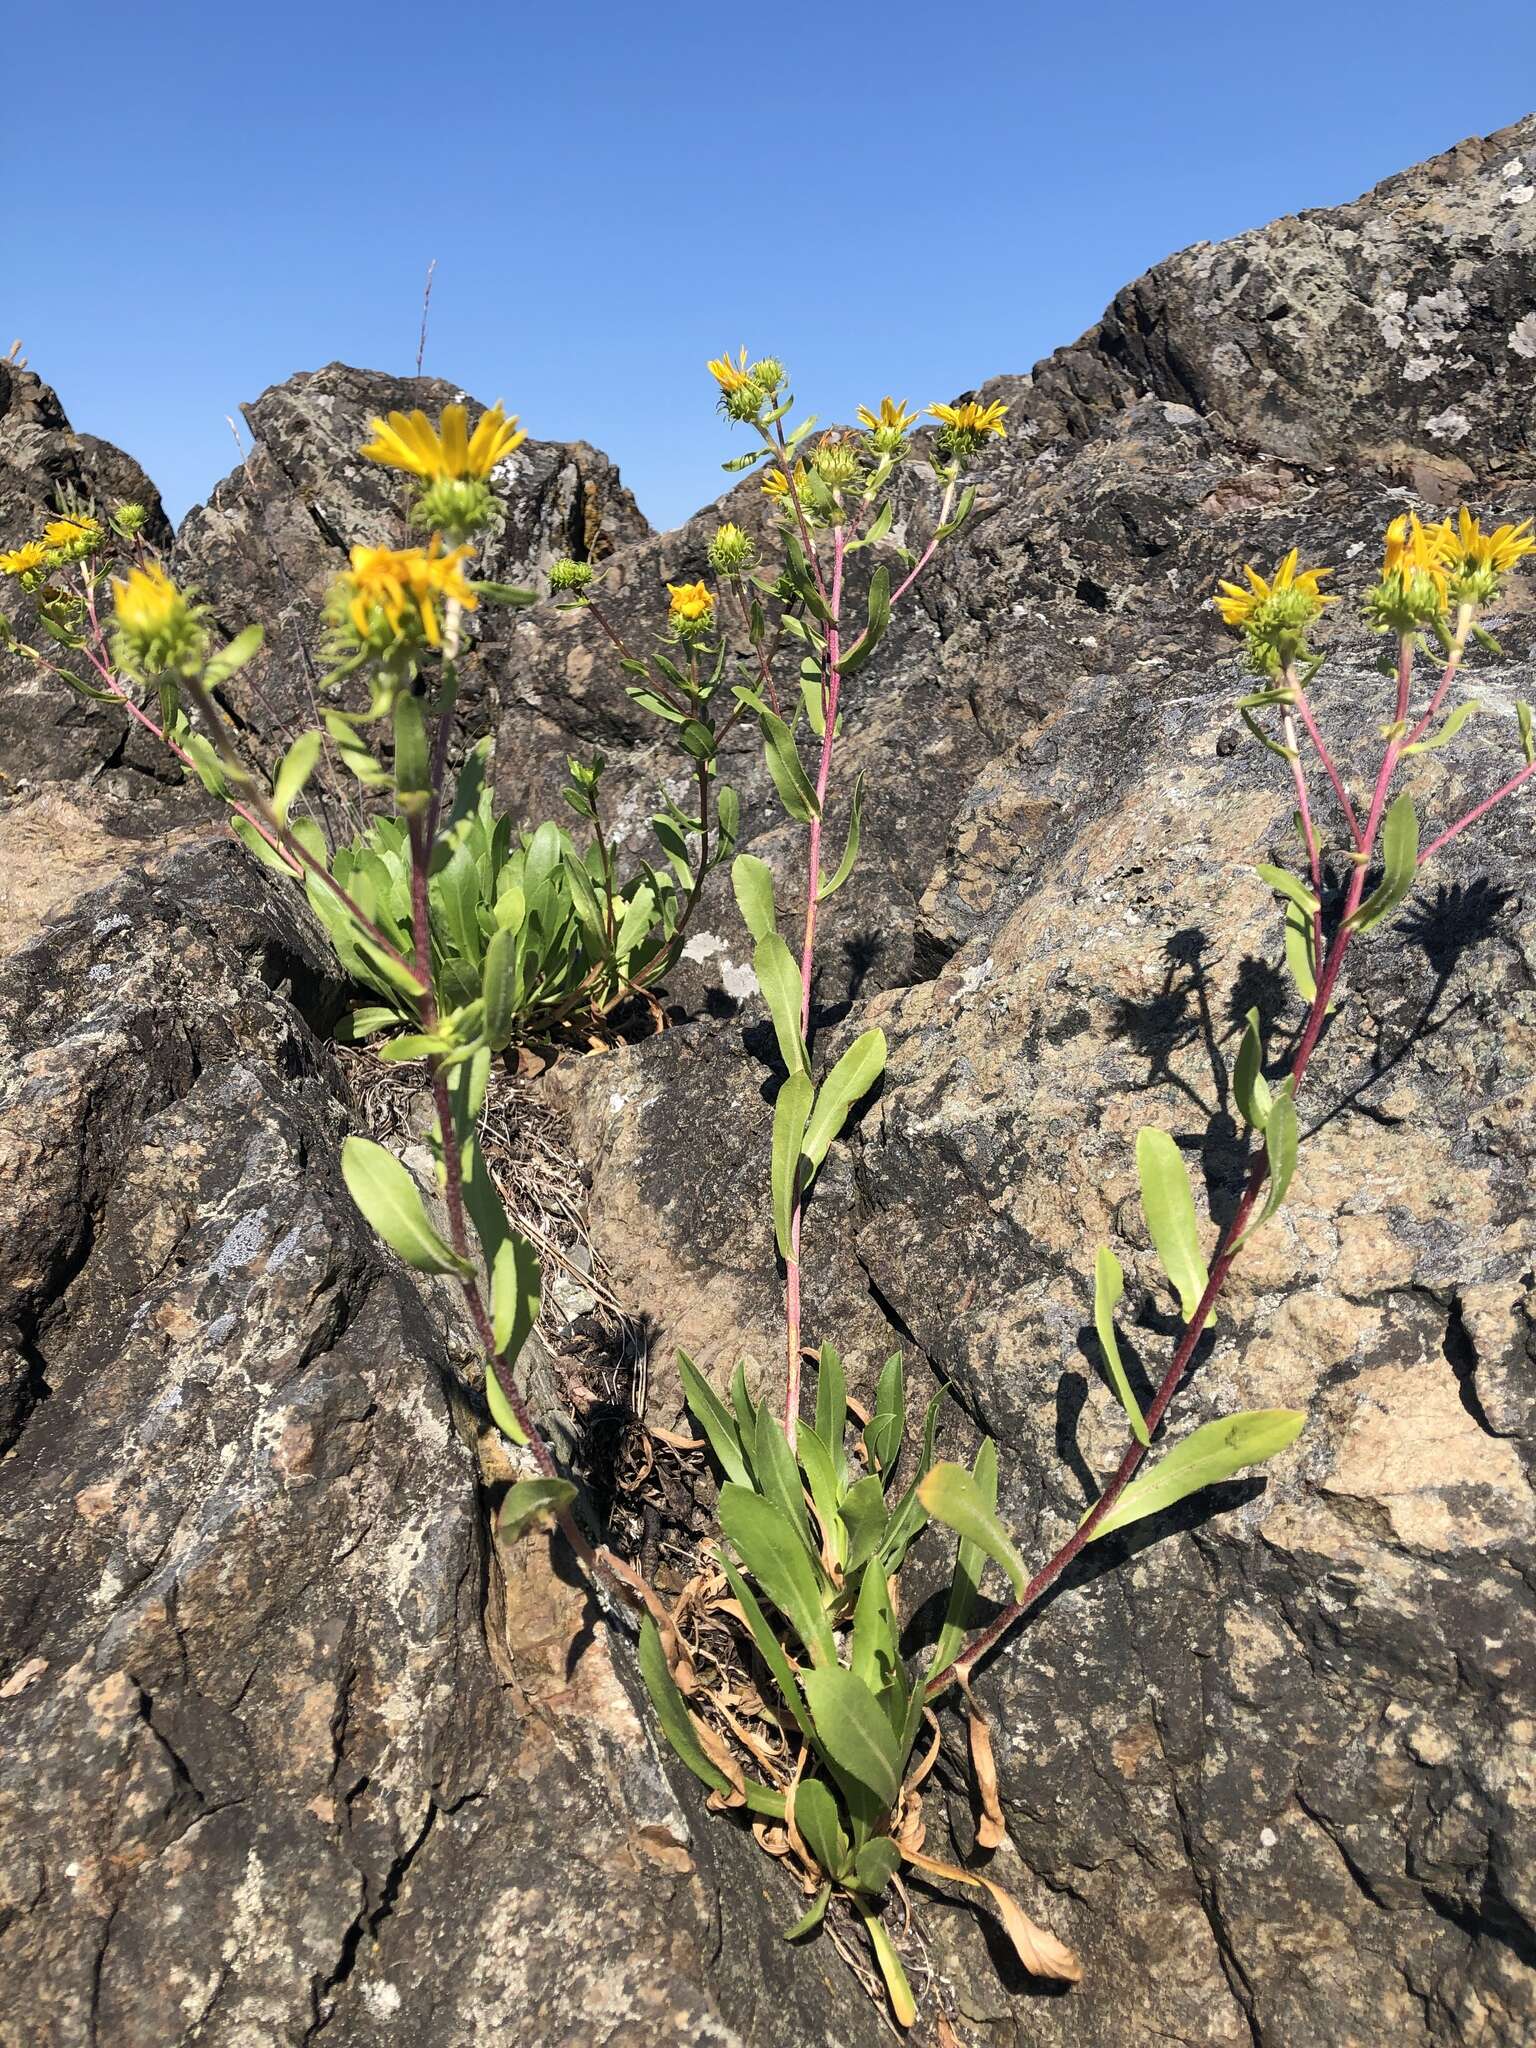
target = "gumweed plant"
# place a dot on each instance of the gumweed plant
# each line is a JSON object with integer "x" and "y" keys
{"x": 813, "y": 1726}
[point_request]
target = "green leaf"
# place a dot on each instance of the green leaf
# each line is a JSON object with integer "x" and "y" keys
{"x": 502, "y": 1412}
{"x": 909, "y": 1517}
{"x": 779, "y": 979}
{"x": 769, "y": 1648}
{"x": 822, "y": 1478}
{"x": 898, "y": 1990}
{"x": 243, "y": 648}
{"x": 529, "y": 1501}
{"x": 872, "y": 1654}
{"x": 503, "y": 593}
{"x": 1301, "y": 951}
{"x": 516, "y": 1283}
{"x": 1400, "y": 866}
{"x": 1448, "y": 731}
{"x": 752, "y": 882}
{"x": 790, "y": 1110}
{"x": 849, "y": 1081}
{"x": 789, "y": 777}
{"x": 767, "y": 1543}
{"x": 816, "y": 1911}
{"x": 777, "y": 1473}
{"x": 413, "y": 775}
{"x": 371, "y": 773}
{"x": 392, "y": 1203}
{"x": 1215, "y": 1451}
{"x": 743, "y": 1405}
{"x": 1527, "y": 738}
{"x": 1108, "y": 1286}
{"x": 887, "y": 1426}
{"x": 879, "y": 618}
{"x": 727, "y": 818}
{"x": 672, "y": 1710}
{"x": 294, "y": 771}
{"x": 957, "y": 1499}
{"x": 970, "y": 1559}
{"x": 876, "y": 1864}
{"x": 1168, "y": 1203}
{"x": 1250, "y": 1090}
{"x": 851, "y": 850}
{"x": 865, "y": 1518}
{"x": 263, "y": 849}
{"x": 832, "y": 1408}
{"x": 1281, "y": 1140}
{"x": 712, "y": 1416}
{"x": 1288, "y": 885}
{"x": 816, "y": 1820}
{"x": 854, "y": 1733}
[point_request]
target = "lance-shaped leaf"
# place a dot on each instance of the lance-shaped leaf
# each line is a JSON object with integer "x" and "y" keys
{"x": 680, "y": 1730}
{"x": 1400, "y": 865}
{"x": 1301, "y": 951}
{"x": 815, "y": 1912}
{"x": 878, "y": 619}
{"x": 952, "y": 1496}
{"x": 1168, "y": 1203}
{"x": 769, "y": 1648}
{"x": 769, "y": 1546}
{"x": 909, "y": 1516}
{"x": 1215, "y": 1451}
{"x": 779, "y": 979}
{"x": 1250, "y": 1090}
{"x": 752, "y": 883}
{"x": 865, "y": 1519}
{"x": 392, "y": 1203}
{"x": 851, "y": 850}
{"x": 898, "y": 1990}
{"x": 778, "y": 1474}
{"x": 888, "y": 1425}
{"x": 789, "y": 777}
{"x": 790, "y": 1110}
{"x": 853, "y": 1732}
{"x": 497, "y": 991}
{"x": 825, "y": 1488}
{"x": 1449, "y": 730}
{"x": 875, "y": 1864}
{"x": 412, "y": 765}
{"x": 1288, "y": 885}
{"x": 294, "y": 771}
{"x": 1527, "y": 736}
{"x": 970, "y": 1558}
{"x": 503, "y": 1414}
{"x": 852, "y": 1078}
{"x": 714, "y": 1418}
{"x": 1108, "y": 1286}
{"x": 817, "y": 1822}
{"x": 832, "y": 1408}
{"x": 231, "y": 659}
{"x": 530, "y": 1501}
{"x": 516, "y": 1282}
{"x": 1281, "y": 1141}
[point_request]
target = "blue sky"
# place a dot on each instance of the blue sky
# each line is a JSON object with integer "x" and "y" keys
{"x": 890, "y": 197}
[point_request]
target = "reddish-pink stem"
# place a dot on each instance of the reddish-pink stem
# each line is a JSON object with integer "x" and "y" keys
{"x": 1329, "y": 765}
{"x": 1478, "y": 811}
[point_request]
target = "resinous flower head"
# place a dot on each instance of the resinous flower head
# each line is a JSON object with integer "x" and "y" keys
{"x": 448, "y": 452}
{"x": 157, "y": 629}
{"x": 742, "y": 397}
{"x": 130, "y": 518}
{"x": 1474, "y": 561}
{"x": 730, "y": 376}
{"x": 692, "y": 609}
{"x": 731, "y": 550}
{"x": 72, "y": 538}
{"x": 967, "y": 426}
{"x": 390, "y": 599}
{"x": 768, "y": 373}
{"x": 836, "y": 460}
{"x": 569, "y": 575}
{"x": 1273, "y": 613}
{"x": 1414, "y": 587}
{"x": 889, "y": 426}
{"x": 776, "y": 483}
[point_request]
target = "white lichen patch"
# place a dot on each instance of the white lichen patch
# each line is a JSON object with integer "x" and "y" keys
{"x": 738, "y": 981}
{"x": 1522, "y": 337}
{"x": 1450, "y": 425}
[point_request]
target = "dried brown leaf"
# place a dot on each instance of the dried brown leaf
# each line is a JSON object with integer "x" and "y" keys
{"x": 990, "y": 1828}
{"x": 1036, "y": 1947}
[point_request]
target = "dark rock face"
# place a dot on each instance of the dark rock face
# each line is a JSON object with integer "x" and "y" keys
{"x": 291, "y": 1751}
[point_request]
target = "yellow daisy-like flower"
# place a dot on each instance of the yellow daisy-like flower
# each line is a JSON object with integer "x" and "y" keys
{"x": 1237, "y": 606}
{"x": 146, "y": 599}
{"x": 728, "y": 375}
{"x": 70, "y": 538}
{"x": 23, "y": 560}
{"x": 448, "y": 452}
{"x": 972, "y": 418}
{"x": 405, "y": 585}
{"x": 893, "y": 416}
{"x": 693, "y": 605}
{"x": 776, "y": 483}
{"x": 157, "y": 627}
{"x": 1464, "y": 546}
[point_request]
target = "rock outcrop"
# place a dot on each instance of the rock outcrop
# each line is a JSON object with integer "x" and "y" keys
{"x": 286, "y": 1756}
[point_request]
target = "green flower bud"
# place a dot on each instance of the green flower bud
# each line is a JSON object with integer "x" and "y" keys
{"x": 836, "y": 460}
{"x": 130, "y": 519}
{"x": 768, "y": 375}
{"x": 731, "y": 550}
{"x": 457, "y": 507}
{"x": 745, "y": 402}
{"x": 569, "y": 575}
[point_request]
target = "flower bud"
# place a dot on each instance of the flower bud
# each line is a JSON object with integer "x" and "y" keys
{"x": 569, "y": 575}
{"x": 731, "y": 550}
{"x": 768, "y": 375}
{"x": 130, "y": 519}
{"x": 158, "y": 630}
{"x": 457, "y": 507}
{"x": 836, "y": 460}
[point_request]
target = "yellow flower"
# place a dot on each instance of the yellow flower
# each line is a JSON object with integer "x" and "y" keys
{"x": 893, "y": 414}
{"x": 158, "y": 627}
{"x": 448, "y": 452}
{"x": 776, "y": 483}
{"x": 728, "y": 375}
{"x": 72, "y": 537}
{"x": 1238, "y": 606}
{"x": 1464, "y": 547}
{"x": 405, "y": 584}
{"x": 23, "y": 560}
{"x": 693, "y": 606}
{"x": 972, "y": 418}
